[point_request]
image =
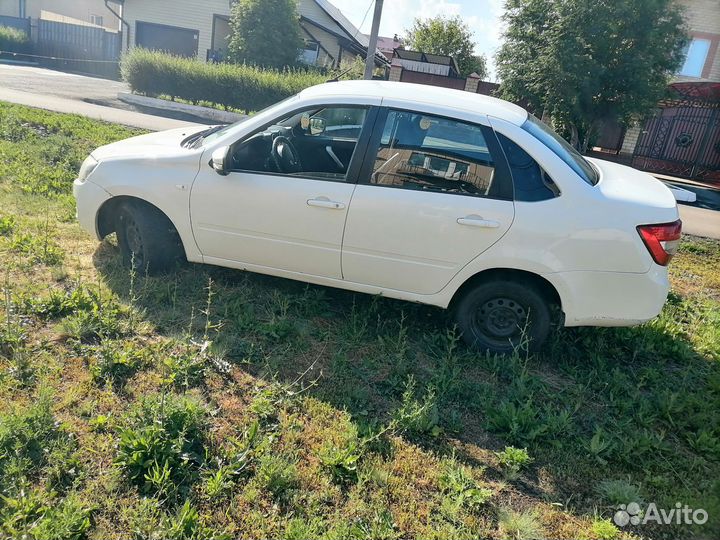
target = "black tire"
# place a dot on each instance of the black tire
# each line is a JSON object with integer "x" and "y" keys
{"x": 147, "y": 239}
{"x": 500, "y": 316}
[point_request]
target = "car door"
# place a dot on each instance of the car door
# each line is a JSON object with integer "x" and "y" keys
{"x": 262, "y": 216}
{"x": 435, "y": 193}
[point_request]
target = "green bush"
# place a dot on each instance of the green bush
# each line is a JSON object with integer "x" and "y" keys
{"x": 14, "y": 40}
{"x": 228, "y": 85}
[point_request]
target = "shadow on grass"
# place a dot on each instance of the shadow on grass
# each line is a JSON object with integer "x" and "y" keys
{"x": 640, "y": 404}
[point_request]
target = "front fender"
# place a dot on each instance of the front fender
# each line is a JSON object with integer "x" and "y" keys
{"x": 164, "y": 183}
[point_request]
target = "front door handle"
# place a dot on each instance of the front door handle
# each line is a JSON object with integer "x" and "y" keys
{"x": 477, "y": 221}
{"x": 324, "y": 202}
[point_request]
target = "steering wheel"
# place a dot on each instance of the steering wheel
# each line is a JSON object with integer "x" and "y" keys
{"x": 285, "y": 155}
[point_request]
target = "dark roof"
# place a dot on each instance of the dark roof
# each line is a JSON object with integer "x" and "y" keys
{"x": 700, "y": 90}
{"x": 352, "y": 31}
{"x": 389, "y": 43}
{"x": 428, "y": 58}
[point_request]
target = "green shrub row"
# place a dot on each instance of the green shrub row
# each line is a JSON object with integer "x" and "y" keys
{"x": 231, "y": 86}
{"x": 14, "y": 40}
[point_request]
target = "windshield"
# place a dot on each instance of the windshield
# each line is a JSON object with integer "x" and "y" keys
{"x": 233, "y": 127}
{"x": 561, "y": 148}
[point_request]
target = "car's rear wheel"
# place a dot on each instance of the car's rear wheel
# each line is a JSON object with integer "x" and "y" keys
{"x": 147, "y": 239}
{"x": 501, "y": 316}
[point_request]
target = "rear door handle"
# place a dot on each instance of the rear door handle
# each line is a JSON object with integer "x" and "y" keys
{"x": 324, "y": 202}
{"x": 477, "y": 221}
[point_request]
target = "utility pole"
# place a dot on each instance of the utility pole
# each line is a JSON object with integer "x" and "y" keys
{"x": 372, "y": 47}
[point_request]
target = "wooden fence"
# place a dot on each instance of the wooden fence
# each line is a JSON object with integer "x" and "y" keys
{"x": 432, "y": 79}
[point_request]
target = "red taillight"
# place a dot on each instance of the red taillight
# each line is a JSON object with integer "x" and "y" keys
{"x": 661, "y": 240}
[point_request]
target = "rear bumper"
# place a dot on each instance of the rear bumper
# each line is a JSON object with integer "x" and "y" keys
{"x": 89, "y": 197}
{"x": 611, "y": 298}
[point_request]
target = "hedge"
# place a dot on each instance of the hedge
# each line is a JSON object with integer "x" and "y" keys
{"x": 227, "y": 85}
{"x": 14, "y": 40}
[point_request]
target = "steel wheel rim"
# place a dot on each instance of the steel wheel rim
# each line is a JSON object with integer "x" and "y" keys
{"x": 500, "y": 320}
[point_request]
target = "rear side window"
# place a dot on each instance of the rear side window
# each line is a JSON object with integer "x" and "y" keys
{"x": 424, "y": 152}
{"x": 561, "y": 148}
{"x": 531, "y": 182}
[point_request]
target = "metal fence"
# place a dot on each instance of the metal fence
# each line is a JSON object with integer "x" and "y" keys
{"x": 73, "y": 47}
{"x": 682, "y": 141}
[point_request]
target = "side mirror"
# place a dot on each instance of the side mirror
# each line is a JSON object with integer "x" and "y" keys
{"x": 218, "y": 160}
{"x": 317, "y": 126}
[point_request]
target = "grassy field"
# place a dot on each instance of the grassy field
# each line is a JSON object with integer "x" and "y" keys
{"x": 219, "y": 404}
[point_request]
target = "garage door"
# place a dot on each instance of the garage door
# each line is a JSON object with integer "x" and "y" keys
{"x": 170, "y": 39}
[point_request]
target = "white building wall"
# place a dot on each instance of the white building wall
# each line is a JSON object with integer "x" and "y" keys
{"x": 198, "y": 16}
{"x": 703, "y": 20}
{"x": 82, "y": 10}
{"x": 191, "y": 15}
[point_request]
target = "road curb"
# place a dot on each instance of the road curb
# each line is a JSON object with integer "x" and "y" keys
{"x": 687, "y": 182}
{"x": 206, "y": 113}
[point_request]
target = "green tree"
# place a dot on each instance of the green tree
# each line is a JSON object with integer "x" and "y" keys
{"x": 449, "y": 36}
{"x": 265, "y": 33}
{"x": 586, "y": 61}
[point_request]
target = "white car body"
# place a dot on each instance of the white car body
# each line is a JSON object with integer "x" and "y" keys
{"x": 404, "y": 244}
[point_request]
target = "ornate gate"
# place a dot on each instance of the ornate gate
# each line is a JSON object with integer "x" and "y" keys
{"x": 683, "y": 138}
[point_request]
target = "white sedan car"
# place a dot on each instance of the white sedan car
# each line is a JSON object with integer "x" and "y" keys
{"x": 413, "y": 192}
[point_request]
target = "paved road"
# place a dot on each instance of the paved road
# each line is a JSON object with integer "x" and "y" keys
{"x": 80, "y": 94}
{"x": 700, "y": 221}
{"x": 109, "y": 114}
{"x": 57, "y": 83}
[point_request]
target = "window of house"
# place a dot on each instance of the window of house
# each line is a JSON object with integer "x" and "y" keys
{"x": 697, "y": 53}
{"x": 430, "y": 153}
{"x": 309, "y": 52}
{"x": 96, "y": 19}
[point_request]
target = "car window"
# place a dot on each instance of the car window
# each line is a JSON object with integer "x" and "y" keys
{"x": 338, "y": 122}
{"x": 315, "y": 143}
{"x": 430, "y": 153}
{"x": 530, "y": 181}
{"x": 222, "y": 131}
{"x": 561, "y": 148}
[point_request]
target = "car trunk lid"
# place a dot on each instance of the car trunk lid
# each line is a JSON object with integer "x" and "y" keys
{"x": 650, "y": 200}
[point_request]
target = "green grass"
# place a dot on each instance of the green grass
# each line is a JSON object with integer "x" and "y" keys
{"x": 213, "y": 403}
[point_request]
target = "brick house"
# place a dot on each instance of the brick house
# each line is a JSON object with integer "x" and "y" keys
{"x": 683, "y": 137}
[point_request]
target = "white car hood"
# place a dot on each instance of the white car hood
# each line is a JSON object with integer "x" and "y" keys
{"x": 161, "y": 144}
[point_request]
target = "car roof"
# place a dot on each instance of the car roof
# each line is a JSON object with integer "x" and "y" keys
{"x": 421, "y": 93}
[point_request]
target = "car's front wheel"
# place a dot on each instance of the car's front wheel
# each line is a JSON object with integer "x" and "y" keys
{"x": 147, "y": 239}
{"x": 501, "y": 316}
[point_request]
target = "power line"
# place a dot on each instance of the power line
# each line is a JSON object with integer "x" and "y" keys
{"x": 364, "y": 18}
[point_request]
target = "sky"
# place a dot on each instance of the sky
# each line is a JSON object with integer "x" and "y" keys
{"x": 483, "y": 17}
